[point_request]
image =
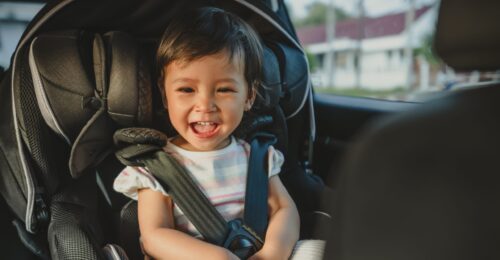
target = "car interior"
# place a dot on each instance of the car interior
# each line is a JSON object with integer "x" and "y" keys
{"x": 423, "y": 184}
{"x": 377, "y": 179}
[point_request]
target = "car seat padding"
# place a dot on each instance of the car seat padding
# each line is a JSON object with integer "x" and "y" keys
{"x": 129, "y": 96}
{"x": 60, "y": 82}
{"x": 86, "y": 107}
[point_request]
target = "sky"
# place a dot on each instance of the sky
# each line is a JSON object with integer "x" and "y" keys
{"x": 372, "y": 7}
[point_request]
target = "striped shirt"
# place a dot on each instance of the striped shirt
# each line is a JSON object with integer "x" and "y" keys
{"x": 220, "y": 174}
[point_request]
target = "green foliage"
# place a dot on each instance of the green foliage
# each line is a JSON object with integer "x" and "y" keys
{"x": 313, "y": 61}
{"x": 316, "y": 15}
{"x": 427, "y": 50}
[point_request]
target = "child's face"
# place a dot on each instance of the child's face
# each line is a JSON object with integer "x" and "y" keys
{"x": 206, "y": 99}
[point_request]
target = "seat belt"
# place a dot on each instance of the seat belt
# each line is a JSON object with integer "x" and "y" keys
{"x": 256, "y": 194}
{"x": 144, "y": 148}
{"x": 188, "y": 196}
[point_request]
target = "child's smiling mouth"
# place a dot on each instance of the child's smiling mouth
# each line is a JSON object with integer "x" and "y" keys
{"x": 204, "y": 129}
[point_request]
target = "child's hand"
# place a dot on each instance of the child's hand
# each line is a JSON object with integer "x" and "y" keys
{"x": 283, "y": 229}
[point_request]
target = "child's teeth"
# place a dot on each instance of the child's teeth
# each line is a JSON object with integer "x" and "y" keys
{"x": 204, "y": 127}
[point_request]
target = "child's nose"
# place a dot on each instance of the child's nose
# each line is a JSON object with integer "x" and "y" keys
{"x": 205, "y": 103}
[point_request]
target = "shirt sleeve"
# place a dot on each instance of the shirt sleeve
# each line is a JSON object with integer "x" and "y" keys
{"x": 132, "y": 179}
{"x": 275, "y": 161}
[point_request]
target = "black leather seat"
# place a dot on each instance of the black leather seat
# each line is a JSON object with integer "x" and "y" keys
{"x": 425, "y": 184}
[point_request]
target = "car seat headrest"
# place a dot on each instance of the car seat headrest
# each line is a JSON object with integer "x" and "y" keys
{"x": 291, "y": 66}
{"x": 281, "y": 95}
{"x": 129, "y": 94}
{"x": 467, "y": 34}
{"x": 86, "y": 86}
{"x": 269, "y": 93}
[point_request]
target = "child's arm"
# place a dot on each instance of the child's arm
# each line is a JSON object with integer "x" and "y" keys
{"x": 284, "y": 225}
{"x": 161, "y": 241}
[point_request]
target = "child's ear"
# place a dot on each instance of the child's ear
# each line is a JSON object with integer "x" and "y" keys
{"x": 250, "y": 99}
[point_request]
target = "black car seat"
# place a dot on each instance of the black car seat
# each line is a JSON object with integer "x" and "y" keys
{"x": 69, "y": 89}
{"x": 425, "y": 184}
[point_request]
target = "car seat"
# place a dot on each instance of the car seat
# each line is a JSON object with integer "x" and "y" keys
{"x": 424, "y": 184}
{"x": 82, "y": 70}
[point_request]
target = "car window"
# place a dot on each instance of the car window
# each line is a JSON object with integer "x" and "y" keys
{"x": 14, "y": 17}
{"x": 375, "y": 48}
{"x": 355, "y": 48}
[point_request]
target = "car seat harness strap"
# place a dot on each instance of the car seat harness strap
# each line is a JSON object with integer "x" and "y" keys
{"x": 256, "y": 209}
{"x": 188, "y": 196}
{"x": 143, "y": 147}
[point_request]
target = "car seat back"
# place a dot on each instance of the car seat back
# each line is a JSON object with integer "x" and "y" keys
{"x": 469, "y": 43}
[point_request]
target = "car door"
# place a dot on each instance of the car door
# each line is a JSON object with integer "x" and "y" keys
{"x": 338, "y": 120}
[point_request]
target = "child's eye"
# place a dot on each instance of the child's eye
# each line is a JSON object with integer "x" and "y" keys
{"x": 185, "y": 90}
{"x": 226, "y": 90}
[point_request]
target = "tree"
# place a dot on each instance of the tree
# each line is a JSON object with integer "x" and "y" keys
{"x": 316, "y": 15}
{"x": 312, "y": 60}
{"x": 426, "y": 50}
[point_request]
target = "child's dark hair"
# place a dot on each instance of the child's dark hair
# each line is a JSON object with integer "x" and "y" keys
{"x": 208, "y": 31}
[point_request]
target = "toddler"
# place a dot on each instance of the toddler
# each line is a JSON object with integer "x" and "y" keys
{"x": 210, "y": 65}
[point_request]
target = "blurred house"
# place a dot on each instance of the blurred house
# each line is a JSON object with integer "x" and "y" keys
{"x": 381, "y": 43}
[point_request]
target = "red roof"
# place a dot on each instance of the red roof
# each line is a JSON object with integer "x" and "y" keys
{"x": 374, "y": 27}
